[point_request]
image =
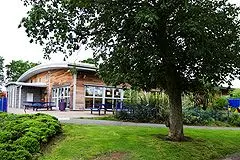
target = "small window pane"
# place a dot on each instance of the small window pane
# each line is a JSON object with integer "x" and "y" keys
{"x": 97, "y": 101}
{"x": 88, "y": 102}
{"x": 98, "y": 91}
{"x": 89, "y": 90}
{"x": 108, "y": 92}
{"x": 108, "y": 102}
{"x": 117, "y": 93}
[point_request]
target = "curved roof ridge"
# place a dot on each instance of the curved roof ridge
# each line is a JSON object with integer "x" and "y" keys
{"x": 52, "y": 66}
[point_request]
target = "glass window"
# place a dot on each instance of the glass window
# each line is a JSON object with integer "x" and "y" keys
{"x": 97, "y": 101}
{"x": 108, "y": 103}
{"x": 88, "y": 102}
{"x": 117, "y": 93}
{"x": 89, "y": 90}
{"x": 98, "y": 91}
{"x": 61, "y": 93}
{"x": 108, "y": 92}
{"x": 96, "y": 95}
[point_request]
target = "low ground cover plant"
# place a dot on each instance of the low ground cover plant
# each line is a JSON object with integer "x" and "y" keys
{"x": 21, "y": 136}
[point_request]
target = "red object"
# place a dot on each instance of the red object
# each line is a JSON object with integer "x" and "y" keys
{"x": 3, "y": 94}
{"x": 238, "y": 109}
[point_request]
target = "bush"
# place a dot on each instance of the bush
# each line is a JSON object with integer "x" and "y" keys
{"x": 21, "y": 136}
{"x": 145, "y": 107}
{"x": 31, "y": 144}
{"x": 13, "y": 152}
{"x": 234, "y": 119}
{"x": 220, "y": 103}
{"x": 235, "y": 93}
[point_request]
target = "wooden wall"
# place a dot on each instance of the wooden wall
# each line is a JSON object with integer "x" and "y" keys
{"x": 84, "y": 79}
{"x": 64, "y": 77}
{"x": 54, "y": 78}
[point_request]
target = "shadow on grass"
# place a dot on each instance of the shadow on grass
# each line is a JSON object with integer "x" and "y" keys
{"x": 164, "y": 137}
{"x": 117, "y": 155}
{"x": 47, "y": 147}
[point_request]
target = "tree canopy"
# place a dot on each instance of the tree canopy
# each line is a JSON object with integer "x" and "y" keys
{"x": 175, "y": 45}
{"x": 16, "y": 68}
{"x": 89, "y": 61}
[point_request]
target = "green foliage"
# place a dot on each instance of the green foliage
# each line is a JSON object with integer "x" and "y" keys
{"x": 16, "y": 68}
{"x": 220, "y": 103}
{"x": 235, "y": 119}
{"x": 196, "y": 116}
{"x": 89, "y": 61}
{"x": 31, "y": 144}
{"x": 142, "y": 42}
{"x": 145, "y": 107}
{"x": 235, "y": 93}
{"x": 21, "y": 136}
{"x": 13, "y": 152}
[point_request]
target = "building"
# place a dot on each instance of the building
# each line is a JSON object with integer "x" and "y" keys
{"x": 76, "y": 84}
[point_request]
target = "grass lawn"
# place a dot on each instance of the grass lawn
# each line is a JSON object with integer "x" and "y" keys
{"x": 135, "y": 143}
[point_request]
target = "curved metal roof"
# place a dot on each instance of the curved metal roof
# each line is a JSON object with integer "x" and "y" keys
{"x": 52, "y": 66}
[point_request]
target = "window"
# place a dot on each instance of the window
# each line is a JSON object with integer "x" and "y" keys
{"x": 89, "y": 90}
{"x": 102, "y": 95}
{"x": 61, "y": 94}
{"x": 108, "y": 92}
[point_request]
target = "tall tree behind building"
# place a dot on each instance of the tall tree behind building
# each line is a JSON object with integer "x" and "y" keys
{"x": 16, "y": 68}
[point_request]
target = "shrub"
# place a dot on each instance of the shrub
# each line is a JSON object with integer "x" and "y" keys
{"x": 220, "y": 103}
{"x": 235, "y": 93}
{"x": 22, "y": 135}
{"x": 145, "y": 107}
{"x": 13, "y": 152}
{"x": 29, "y": 143}
{"x": 234, "y": 119}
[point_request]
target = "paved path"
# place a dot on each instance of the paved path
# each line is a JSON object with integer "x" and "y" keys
{"x": 74, "y": 117}
{"x": 59, "y": 114}
{"x": 117, "y": 123}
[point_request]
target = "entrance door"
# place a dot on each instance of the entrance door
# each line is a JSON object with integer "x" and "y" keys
{"x": 29, "y": 97}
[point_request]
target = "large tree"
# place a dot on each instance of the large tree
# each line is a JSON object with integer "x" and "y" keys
{"x": 171, "y": 44}
{"x": 16, "y": 68}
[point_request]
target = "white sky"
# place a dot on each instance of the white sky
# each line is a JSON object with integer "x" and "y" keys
{"x": 14, "y": 43}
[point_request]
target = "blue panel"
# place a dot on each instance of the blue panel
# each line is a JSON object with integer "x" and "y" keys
{"x": 235, "y": 103}
{"x": 3, "y": 104}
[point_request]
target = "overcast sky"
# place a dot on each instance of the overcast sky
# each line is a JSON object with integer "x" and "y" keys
{"x": 14, "y": 44}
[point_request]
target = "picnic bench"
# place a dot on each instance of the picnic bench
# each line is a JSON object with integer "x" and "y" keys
{"x": 37, "y": 105}
{"x": 104, "y": 107}
{"x": 108, "y": 108}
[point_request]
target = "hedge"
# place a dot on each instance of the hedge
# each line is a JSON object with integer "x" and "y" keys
{"x": 21, "y": 136}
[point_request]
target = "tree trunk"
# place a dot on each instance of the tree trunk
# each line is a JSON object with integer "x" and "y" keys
{"x": 175, "y": 102}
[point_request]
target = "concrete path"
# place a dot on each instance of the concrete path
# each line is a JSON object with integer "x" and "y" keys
{"x": 61, "y": 115}
{"x": 118, "y": 123}
{"x": 73, "y": 117}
